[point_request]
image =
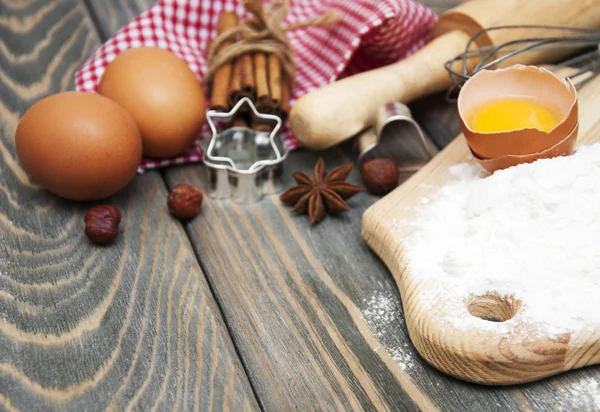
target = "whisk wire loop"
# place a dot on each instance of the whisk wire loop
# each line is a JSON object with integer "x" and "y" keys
{"x": 586, "y": 65}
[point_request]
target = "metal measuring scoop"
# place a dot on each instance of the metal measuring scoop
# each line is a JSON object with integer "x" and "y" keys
{"x": 397, "y": 136}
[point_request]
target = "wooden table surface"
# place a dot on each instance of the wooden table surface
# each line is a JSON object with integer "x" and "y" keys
{"x": 243, "y": 308}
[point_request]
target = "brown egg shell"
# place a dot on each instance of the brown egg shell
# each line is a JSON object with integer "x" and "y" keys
{"x": 162, "y": 94}
{"x": 519, "y": 80}
{"x": 80, "y": 146}
{"x": 562, "y": 148}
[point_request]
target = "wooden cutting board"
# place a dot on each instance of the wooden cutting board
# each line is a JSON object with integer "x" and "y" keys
{"x": 479, "y": 355}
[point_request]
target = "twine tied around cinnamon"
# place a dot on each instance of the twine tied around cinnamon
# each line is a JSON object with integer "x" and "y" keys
{"x": 264, "y": 33}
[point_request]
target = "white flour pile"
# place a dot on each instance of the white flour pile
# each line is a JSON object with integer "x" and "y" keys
{"x": 531, "y": 232}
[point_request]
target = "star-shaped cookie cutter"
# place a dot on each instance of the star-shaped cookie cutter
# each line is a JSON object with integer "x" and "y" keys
{"x": 241, "y": 163}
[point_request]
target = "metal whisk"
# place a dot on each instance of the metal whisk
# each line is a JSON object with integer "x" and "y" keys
{"x": 580, "y": 69}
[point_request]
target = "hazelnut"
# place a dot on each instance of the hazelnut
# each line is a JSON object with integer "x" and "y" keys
{"x": 102, "y": 224}
{"x": 184, "y": 201}
{"x": 380, "y": 176}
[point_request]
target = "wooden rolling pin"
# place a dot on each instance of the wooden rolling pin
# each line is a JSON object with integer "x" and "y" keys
{"x": 338, "y": 111}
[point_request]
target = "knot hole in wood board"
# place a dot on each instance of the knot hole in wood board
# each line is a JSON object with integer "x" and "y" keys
{"x": 494, "y": 307}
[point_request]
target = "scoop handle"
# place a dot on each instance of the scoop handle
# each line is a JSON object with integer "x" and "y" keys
{"x": 329, "y": 115}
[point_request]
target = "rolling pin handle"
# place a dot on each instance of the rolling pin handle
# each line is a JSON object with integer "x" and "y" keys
{"x": 340, "y": 110}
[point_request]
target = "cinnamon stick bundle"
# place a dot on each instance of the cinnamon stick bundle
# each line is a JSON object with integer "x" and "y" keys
{"x": 220, "y": 86}
{"x": 261, "y": 65}
{"x": 257, "y": 75}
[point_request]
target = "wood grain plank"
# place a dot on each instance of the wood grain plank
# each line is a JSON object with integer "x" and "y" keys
{"x": 299, "y": 300}
{"x": 132, "y": 325}
{"x": 111, "y": 15}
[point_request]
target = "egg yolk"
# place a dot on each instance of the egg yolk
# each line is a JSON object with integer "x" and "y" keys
{"x": 512, "y": 114}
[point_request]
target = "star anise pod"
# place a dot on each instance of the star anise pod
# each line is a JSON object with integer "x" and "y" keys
{"x": 325, "y": 193}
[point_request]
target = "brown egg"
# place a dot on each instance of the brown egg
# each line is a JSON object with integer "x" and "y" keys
{"x": 161, "y": 93}
{"x": 521, "y": 84}
{"x": 79, "y": 146}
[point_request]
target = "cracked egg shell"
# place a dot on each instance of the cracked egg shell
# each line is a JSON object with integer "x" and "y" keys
{"x": 563, "y": 148}
{"x": 528, "y": 82}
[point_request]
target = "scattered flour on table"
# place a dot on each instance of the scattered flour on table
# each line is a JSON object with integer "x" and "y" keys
{"x": 530, "y": 232}
{"x": 580, "y": 396}
{"x": 382, "y": 314}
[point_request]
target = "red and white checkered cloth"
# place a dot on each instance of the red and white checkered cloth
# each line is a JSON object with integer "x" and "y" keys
{"x": 371, "y": 33}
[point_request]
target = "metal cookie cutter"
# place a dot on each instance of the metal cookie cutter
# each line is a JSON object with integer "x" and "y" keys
{"x": 241, "y": 163}
{"x": 395, "y": 135}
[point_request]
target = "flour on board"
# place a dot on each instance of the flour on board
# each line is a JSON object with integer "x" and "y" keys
{"x": 529, "y": 233}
